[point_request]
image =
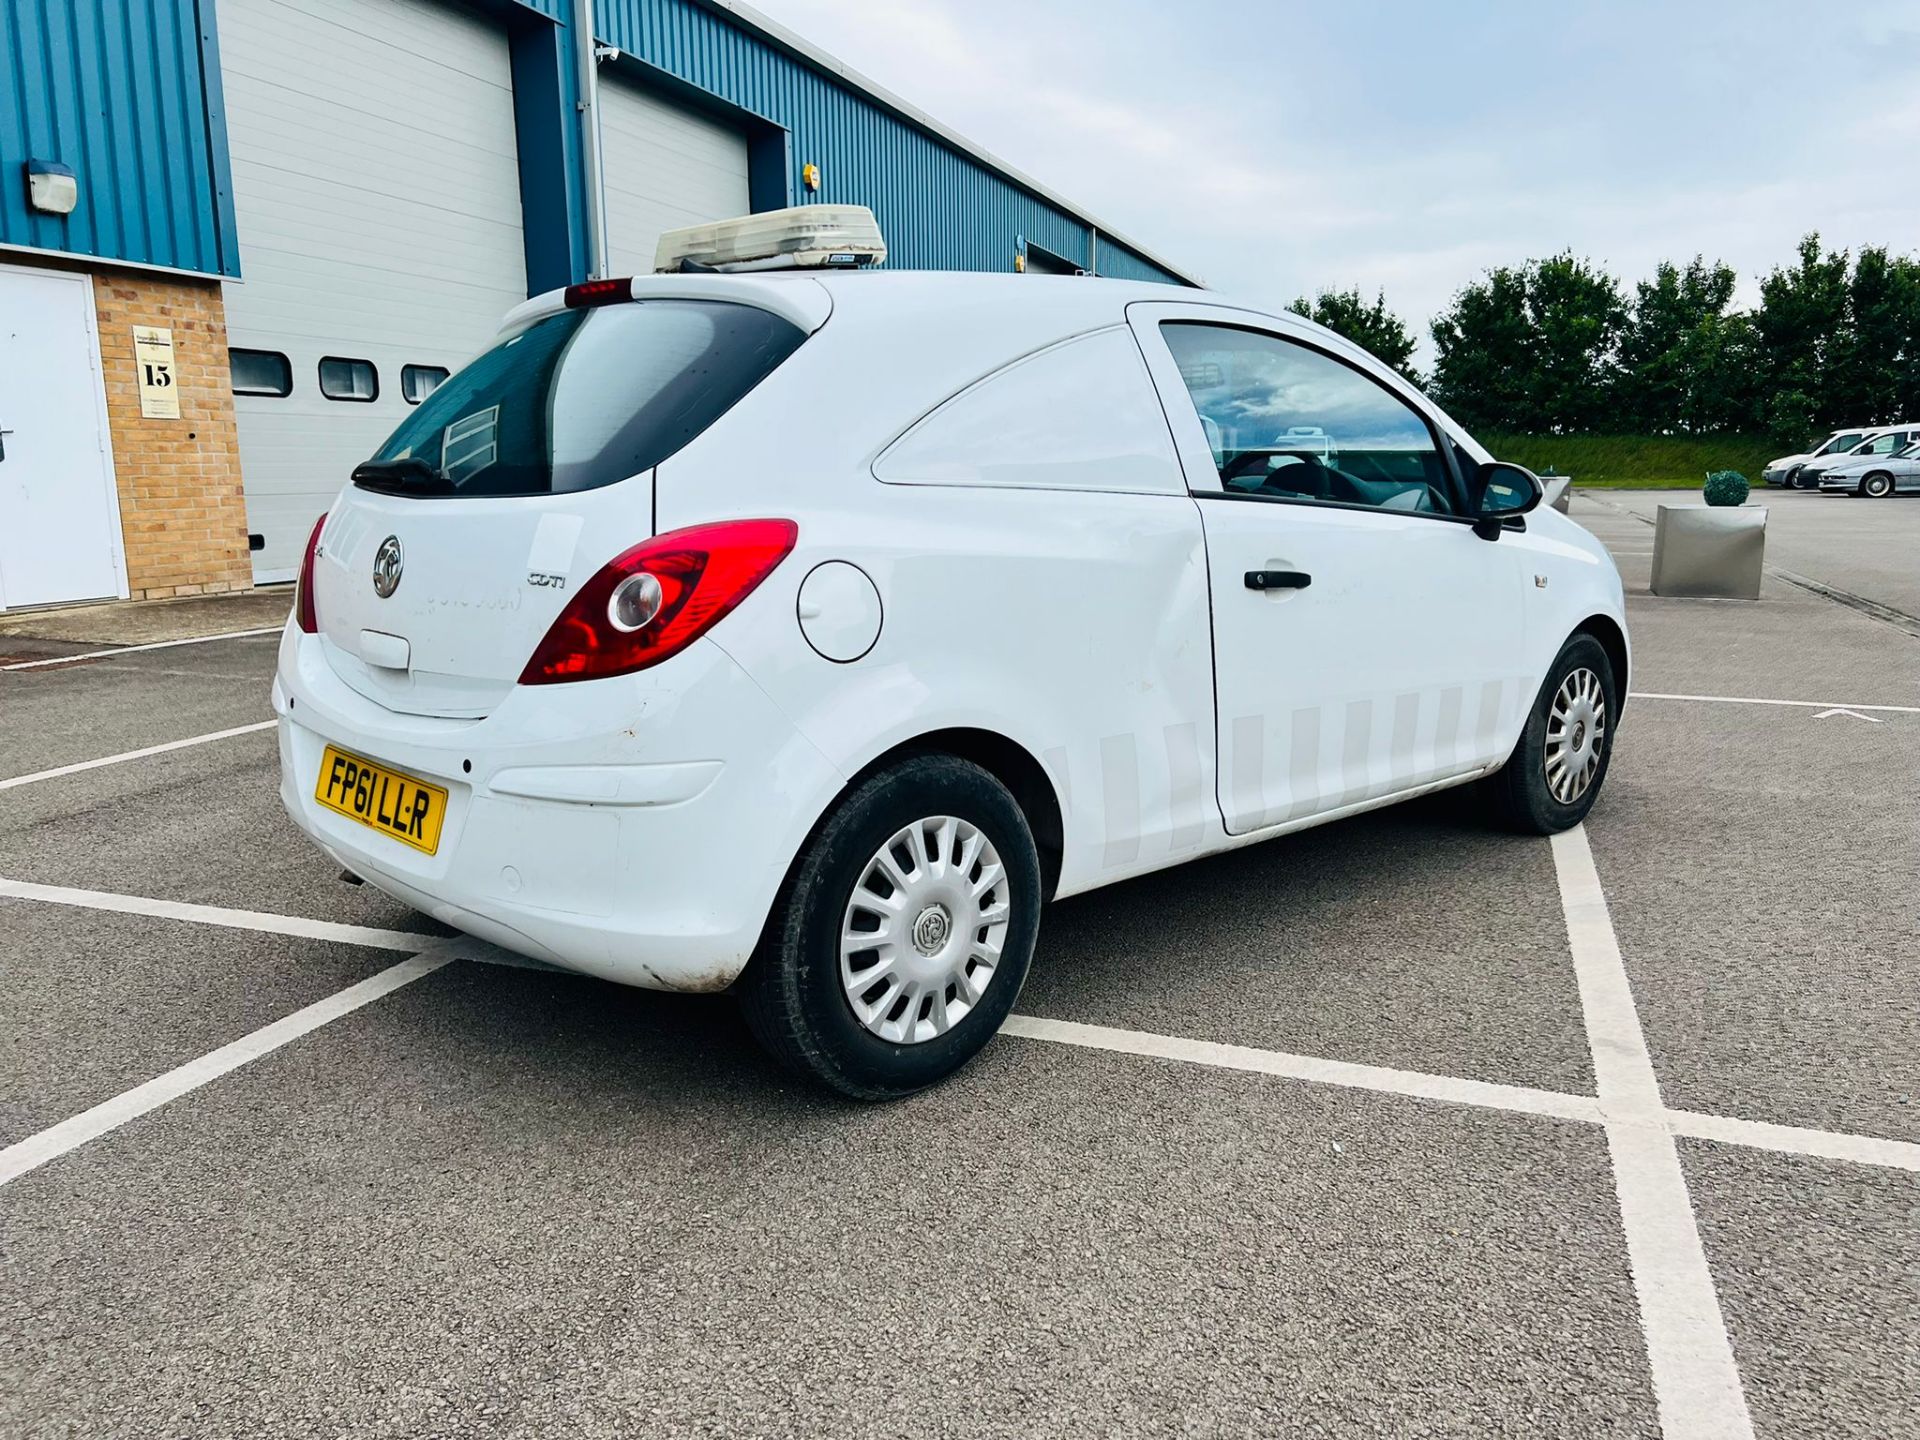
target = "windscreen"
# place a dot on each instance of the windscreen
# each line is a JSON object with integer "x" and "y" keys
{"x": 582, "y": 399}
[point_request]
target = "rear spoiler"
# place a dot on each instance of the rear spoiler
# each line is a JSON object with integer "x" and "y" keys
{"x": 792, "y": 297}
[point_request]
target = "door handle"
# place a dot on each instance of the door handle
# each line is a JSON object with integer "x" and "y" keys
{"x": 3, "y": 443}
{"x": 1278, "y": 579}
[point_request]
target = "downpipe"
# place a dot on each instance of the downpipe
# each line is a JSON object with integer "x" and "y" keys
{"x": 587, "y": 53}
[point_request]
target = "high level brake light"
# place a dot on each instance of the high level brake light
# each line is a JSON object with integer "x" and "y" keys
{"x": 597, "y": 292}
{"x": 658, "y": 598}
{"x": 304, "y": 610}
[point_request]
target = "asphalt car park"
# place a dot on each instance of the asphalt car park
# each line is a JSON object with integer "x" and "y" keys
{"x": 1355, "y": 1132}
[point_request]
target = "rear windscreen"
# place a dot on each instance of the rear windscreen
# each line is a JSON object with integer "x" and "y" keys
{"x": 582, "y": 399}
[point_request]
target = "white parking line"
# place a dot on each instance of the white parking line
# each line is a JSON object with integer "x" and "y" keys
{"x": 1412, "y": 1083}
{"x": 140, "y": 754}
{"x": 1797, "y": 704}
{"x": 1695, "y": 1380}
{"x": 1419, "y": 1085}
{"x": 1796, "y": 1140}
{"x": 49, "y": 1144}
{"x": 292, "y": 925}
{"x": 134, "y": 649}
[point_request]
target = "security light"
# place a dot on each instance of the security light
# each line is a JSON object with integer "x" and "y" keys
{"x": 51, "y": 187}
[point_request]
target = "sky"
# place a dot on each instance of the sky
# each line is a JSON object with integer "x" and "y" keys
{"x": 1276, "y": 149}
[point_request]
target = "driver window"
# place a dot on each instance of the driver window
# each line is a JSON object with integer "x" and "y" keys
{"x": 1288, "y": 423}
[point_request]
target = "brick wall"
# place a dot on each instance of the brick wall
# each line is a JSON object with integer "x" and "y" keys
{"x": 182, "y": 509}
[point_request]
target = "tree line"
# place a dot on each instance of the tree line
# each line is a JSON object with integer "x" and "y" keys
{"x": 1560, "y": 347}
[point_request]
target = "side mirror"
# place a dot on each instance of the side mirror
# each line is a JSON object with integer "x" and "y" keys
{"x": 1503, "y": 492}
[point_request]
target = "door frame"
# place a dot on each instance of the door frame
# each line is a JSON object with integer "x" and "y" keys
{"x": 116, "y": 540}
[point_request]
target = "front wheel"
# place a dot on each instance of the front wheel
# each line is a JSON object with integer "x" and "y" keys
{"x": 1550, "y": 781}
{"x": 904, "y": 933}
{"x": 1877, "y": 486}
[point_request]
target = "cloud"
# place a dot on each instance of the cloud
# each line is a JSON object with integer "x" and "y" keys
{"x": 1280, "y": 149}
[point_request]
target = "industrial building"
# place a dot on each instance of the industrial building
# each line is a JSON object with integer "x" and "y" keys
{"x": 239, "y": 239}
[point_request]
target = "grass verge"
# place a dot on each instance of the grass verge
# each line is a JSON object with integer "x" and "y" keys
{"x": 1642, "y": 462}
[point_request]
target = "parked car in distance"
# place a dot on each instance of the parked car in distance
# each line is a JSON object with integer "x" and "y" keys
{"x": 803, "y": 634}
{"x": 1879, "y": 442}
{"x": 1876, "y": 475}
{"x": 1786, "y": 470}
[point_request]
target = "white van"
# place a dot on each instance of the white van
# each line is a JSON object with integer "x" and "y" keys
{"x": 803, "y": 634}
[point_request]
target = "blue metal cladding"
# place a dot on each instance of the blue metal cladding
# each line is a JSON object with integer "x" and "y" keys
{"x": 127, "y": 92}
{"x": 939, "y": 208}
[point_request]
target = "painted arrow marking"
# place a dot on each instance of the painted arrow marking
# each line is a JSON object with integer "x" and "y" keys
{"x": 1842, "y": 710}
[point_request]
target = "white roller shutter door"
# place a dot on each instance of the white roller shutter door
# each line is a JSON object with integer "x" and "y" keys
{"x": 663, "y": 166}
{"x": 377, "y": 191}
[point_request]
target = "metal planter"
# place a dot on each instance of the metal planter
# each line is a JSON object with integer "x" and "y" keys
{"x": 1709, "y": 550}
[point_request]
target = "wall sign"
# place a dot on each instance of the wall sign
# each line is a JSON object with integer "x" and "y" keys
{"x": 153, "y": 364}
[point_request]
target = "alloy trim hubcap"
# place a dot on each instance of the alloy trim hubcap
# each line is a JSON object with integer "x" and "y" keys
{"x": 924, "y": 929}
{"x": 1576, "y": 735}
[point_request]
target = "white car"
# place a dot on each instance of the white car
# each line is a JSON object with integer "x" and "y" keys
{"x": 1876, "y": 476}
{"x": 804, "y": 634}
{"x": 1876, "y": 442}
{"x": 1786, "y": 470}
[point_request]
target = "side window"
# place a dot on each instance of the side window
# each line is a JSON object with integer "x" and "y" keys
{"x": 260, "y": 372}
{"x": 1289, "y": 423}
{"x": 1079, "y": 415}
{"x": 419, "y": 381}
{"x": 348, "y": 379}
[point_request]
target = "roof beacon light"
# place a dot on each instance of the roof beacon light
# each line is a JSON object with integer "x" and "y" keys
{"x": 805, "y": 237}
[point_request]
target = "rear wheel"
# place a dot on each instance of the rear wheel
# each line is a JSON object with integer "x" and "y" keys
{"x": 904, "y": 933}
{"x": 1550, "y": 781}
{"x": 1877, "y": 485}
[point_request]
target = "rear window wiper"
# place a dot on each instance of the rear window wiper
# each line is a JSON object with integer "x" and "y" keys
{"x": 409, "y": 474}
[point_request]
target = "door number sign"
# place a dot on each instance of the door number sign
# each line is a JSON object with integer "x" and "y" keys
{"x": 153, "y": 364}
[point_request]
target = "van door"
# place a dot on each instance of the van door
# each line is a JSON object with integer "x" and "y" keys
{"x": 1367, "y": 642}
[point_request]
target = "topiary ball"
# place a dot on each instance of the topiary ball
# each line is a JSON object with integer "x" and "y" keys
{"x": 1727, "y": 487}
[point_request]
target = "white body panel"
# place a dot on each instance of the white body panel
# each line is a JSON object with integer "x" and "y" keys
{"x": 59, "y": 512}
{"x": 648, "y": 820}
{"x": 377, "y": 188}
{"x": 663, "y": 166}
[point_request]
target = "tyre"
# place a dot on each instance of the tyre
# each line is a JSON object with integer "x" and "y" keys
{"x": 1877, "y": 485}
{"x": 1550, "y": 781}
{"x": 903, "y": 934}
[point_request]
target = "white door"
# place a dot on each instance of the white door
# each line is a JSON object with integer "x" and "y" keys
{"x": 59, "y": 516}
{"x": 377, "y": 190}
{"x": 1367, "y": 641}
{"x": 663, "y": 166}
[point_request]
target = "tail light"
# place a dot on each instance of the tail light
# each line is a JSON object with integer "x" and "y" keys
{"x": 303, "y": 607}
{"x": 657, "y": 599}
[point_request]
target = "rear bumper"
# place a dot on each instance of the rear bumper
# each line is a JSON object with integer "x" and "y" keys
{"x": 636, "y": 829}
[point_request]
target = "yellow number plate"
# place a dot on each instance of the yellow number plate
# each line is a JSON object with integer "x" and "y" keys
{"x": 408, "y": 810}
